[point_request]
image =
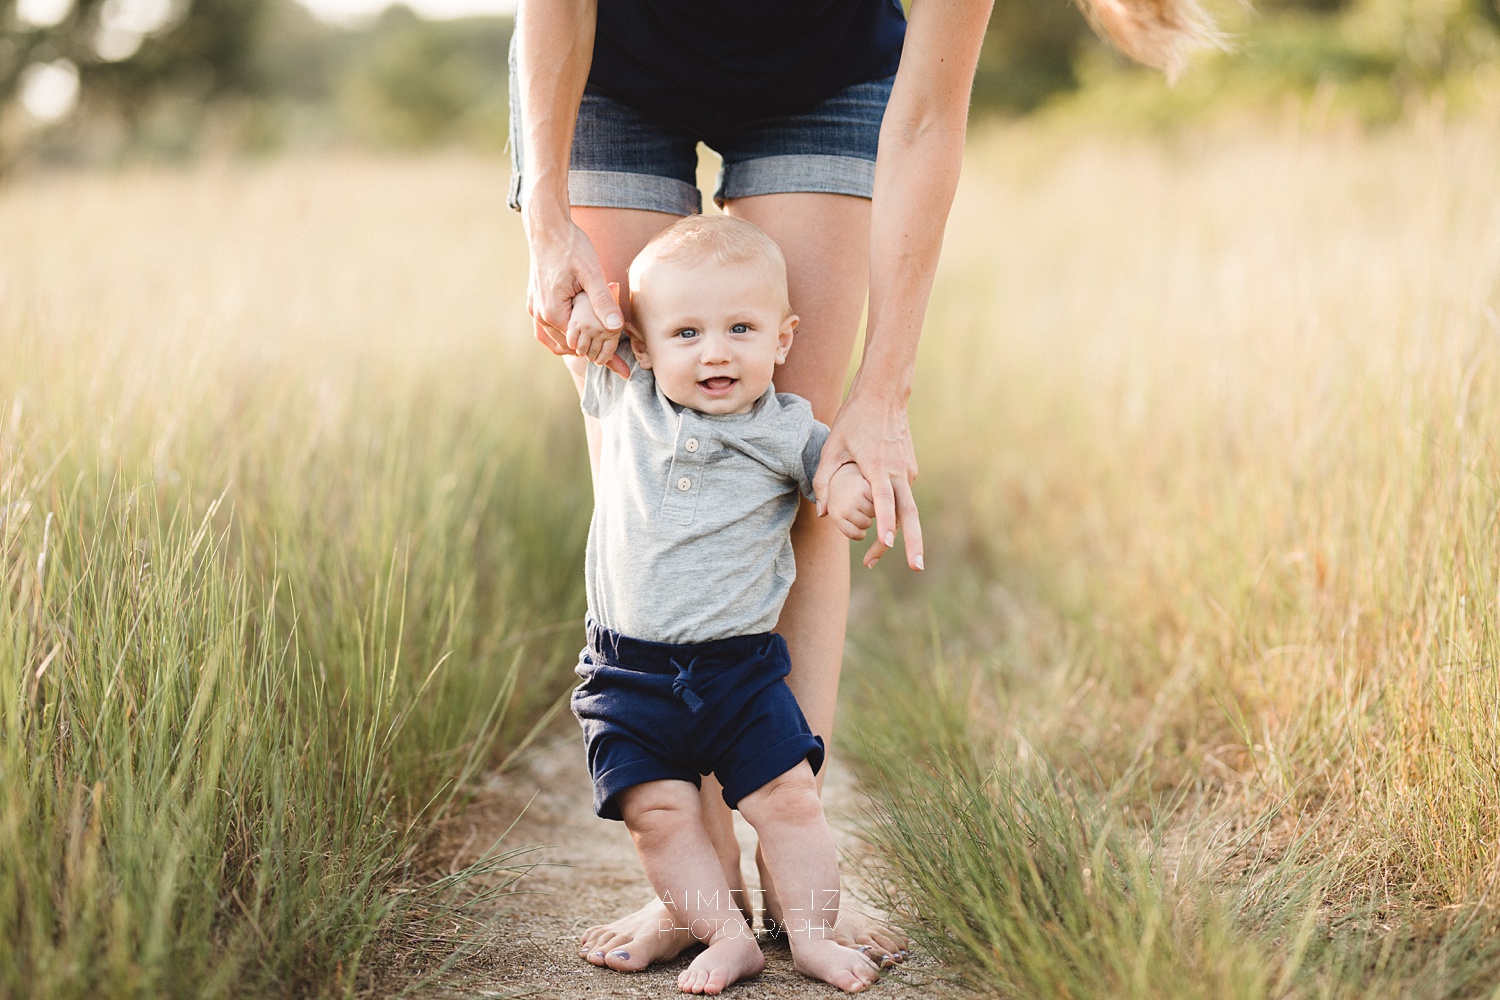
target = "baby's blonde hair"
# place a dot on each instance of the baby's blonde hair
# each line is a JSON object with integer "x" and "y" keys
{"x": 712, "y": 239}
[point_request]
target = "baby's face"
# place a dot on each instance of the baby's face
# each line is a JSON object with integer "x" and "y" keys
{"x": 714, "y": 333}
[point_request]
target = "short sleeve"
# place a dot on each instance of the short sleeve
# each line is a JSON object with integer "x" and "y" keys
{"x": 812, "y": 449}
{"x": 602, "y": 388}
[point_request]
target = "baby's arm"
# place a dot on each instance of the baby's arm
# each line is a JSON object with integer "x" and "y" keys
{"x": 851, "y": 504}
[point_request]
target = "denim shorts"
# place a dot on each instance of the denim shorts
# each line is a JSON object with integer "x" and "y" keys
{"x": 625, "y": 158}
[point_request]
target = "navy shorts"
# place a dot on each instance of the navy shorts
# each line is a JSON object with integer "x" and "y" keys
{"x": 624, "y": 158}
{"x": 652, "y": 711}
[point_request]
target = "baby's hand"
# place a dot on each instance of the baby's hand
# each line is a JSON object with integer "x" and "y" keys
{"x": 851, "y": 504}
{"x": 588, "y": 338}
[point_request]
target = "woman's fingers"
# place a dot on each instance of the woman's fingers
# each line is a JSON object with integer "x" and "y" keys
{"x": 602, "y": 297}
{"x": 617, "y": 365}
{"x": 548, "y": 338}
{"x": 828, "y": 464}
{"x": 885, "y": 512}
{"x": 565, "y": 271}
{"x": 911, "y": 523}
{"x": 896, "y": 507}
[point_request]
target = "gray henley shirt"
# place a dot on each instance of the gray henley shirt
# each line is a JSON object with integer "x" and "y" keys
{"x": 691, "y": 534}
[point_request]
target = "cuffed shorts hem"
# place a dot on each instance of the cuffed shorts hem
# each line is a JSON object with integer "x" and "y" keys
{"x": 766, "y": 767}
{"x": 609, "y": 785}
{"x": 623, "y": 157}
{"x": 646, "y": 192}
{"x": 801, "y": 172}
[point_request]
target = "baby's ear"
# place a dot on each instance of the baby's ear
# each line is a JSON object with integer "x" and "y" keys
{"x": 784, "y": 336}
{"x": 638, "y": 346}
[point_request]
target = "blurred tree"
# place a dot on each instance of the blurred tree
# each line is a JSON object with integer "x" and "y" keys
{"x": 1028, "y": 54}
{"x": 414, "y": 82}
{"x": 124, "y": 56}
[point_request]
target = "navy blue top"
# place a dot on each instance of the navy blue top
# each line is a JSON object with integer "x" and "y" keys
{"x": 715, "y": 65}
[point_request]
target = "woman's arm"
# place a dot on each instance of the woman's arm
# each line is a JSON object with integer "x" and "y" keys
{"x": 916, "y": 174}
{"x": 554, "y": 46}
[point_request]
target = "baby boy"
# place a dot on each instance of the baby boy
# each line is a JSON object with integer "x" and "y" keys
{"x": 689, "y": 560}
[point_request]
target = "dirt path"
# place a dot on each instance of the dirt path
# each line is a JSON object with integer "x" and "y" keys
{"x": 591, "y": 873}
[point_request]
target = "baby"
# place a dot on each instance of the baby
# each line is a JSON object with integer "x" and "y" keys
{"x": 701, "y": 471}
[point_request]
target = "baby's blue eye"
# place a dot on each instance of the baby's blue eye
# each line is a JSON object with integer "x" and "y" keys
{"x": 687, "y": 333}
{"x": 740, "y": 328}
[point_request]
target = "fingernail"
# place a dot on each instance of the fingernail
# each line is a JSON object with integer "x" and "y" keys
{"x": 614, "y": 319}
{"x": 918, "y": 562}
{"x": 619, "y": 953}
{"x": 890, "y": 539}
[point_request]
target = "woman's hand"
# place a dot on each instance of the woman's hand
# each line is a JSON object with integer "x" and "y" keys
{"x": 871, "y": 432}
{"x": 565, "y": 266}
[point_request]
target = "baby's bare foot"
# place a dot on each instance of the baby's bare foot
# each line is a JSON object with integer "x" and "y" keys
{"x": 884, "y": 945}
{"x": 731, "y": 957}
{"x": 846, "y": 968}
{"x": 636, "y": 940}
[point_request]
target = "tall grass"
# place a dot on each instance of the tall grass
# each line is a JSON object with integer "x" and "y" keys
{"x": 1197, "y": 698}
{"x": 1210, "y": 439}
{"x": 289, "y": 552}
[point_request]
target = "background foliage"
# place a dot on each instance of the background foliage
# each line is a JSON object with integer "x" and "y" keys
{"x": 262, "y": 75}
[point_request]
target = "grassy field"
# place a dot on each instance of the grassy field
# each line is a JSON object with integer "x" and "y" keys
{"x": 1203, "y": 687}
{"x": 291, "y": 553}
{"x": 1199, "y": 696}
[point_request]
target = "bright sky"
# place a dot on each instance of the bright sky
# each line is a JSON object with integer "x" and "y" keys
{"x": 353, "y": 10}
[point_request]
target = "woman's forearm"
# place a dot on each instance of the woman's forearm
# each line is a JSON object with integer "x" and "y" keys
{"x": 554, "y": 47}
{"x": 916, "y": 175}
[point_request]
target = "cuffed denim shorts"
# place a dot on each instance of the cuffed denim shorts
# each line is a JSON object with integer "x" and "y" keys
{"x": 624, "y": 158}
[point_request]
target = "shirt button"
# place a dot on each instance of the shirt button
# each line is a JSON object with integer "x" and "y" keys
{"x": 684, "y": 484}
{"x": 691, "y": 445}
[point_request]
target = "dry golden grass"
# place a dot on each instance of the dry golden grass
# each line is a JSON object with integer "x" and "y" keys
{"x": 1210, "y": 438}
{"x": 1204, "y": 665}
{"x": 289, "y": 554}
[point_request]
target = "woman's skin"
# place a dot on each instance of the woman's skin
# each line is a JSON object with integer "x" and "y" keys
{"x": 837, "y": 247}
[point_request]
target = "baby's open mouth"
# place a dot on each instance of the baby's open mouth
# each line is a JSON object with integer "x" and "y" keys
{"x": 717, "y": 384}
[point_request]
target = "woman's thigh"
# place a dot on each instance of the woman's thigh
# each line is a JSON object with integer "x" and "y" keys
{"x": 618, "y": 234}
{"x": 826, "y": 241}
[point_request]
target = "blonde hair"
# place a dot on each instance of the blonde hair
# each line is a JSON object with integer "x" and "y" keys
{"x": 1159, "y": 33}
{"x": 712, "y": 239}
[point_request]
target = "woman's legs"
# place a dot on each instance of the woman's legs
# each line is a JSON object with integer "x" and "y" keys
{"x": 826, "y": 241}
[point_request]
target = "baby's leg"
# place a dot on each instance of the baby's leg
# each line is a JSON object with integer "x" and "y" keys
{"x": 664, "y": 819}
{"x": 798, "y": 850}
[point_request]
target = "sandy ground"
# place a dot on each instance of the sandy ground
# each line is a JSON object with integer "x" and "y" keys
{"x": 588, "y": 872}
